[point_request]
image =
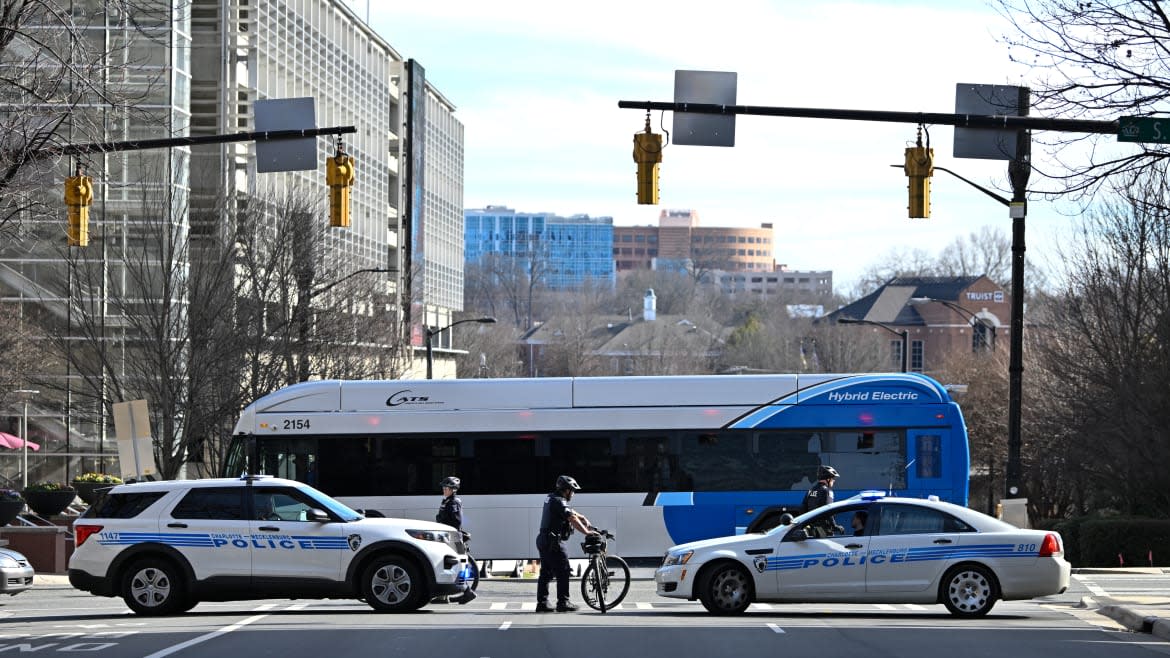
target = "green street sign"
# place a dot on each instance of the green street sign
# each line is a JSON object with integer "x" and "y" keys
{"x": 1155, "y": 130}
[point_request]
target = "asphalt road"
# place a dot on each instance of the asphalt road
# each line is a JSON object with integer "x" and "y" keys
{"x": 55, "y": 620}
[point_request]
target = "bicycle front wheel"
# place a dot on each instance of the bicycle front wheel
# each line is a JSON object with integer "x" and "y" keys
{"x": 603, "y": 591}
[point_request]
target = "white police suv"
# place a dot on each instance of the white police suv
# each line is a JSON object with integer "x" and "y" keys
{"x": 165, "y": 546}
{"x": 871, "y": 549}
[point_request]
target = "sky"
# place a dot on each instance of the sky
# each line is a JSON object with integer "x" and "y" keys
{"x": 536, "y": 86}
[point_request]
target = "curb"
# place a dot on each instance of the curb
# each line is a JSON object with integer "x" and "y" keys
{"x": 1133, "y": 618}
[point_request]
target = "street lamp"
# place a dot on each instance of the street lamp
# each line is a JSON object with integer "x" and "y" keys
{"x": 967, "y": 315}
{"x": 25, "y": 394}
{"x": 904, "y": 334}
{"x": 434, "y": 332}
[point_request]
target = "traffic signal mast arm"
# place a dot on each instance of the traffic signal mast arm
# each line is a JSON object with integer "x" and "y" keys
{"x": 935, "y": 118}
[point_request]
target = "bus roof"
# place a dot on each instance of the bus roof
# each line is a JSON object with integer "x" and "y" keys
{"x": 584, "y": 392}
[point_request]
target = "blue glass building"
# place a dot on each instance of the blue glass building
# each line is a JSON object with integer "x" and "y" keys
{"x": 568, "y": 251}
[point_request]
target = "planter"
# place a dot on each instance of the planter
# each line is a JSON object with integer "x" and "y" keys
{"x": 88, "y": 491}
{"x": 49, "y": 503}
{"x": 9, "y": 509}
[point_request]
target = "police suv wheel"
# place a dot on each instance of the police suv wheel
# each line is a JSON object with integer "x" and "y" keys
{"x": 726, "y": 590}
{"x": 393, "y": 584}
{"x": 154, "y": 587}
{"x": 969, "y": 591}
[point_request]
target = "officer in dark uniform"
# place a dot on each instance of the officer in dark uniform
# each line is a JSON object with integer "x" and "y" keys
{"x": 556, "y": 524}
{"x": 821, "y": 493}
{"x": 451, "y": 513}
{"x": 451, "y": 508}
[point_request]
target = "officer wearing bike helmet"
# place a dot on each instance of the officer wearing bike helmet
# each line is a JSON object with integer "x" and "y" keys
{"x": 557, "y": 522}
{"x": 450, "y": 513}
{"x": 451, "y": 508}
{"x": 821, "y": 493}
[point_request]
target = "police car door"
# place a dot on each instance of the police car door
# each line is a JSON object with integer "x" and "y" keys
{"x": 912, "y": 545}
{"x": 286, "y": 545}
{"x": 821, "y": 556}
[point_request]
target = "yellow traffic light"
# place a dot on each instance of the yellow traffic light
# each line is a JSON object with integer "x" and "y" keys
{"x": 339, "y": 175}
{"x": 647, "y": 153}
{"x": 919, "y": 168}
{"x": 78, "y": 197}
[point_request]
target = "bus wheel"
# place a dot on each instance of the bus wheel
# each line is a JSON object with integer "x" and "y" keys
{"x": 392, "y": 584}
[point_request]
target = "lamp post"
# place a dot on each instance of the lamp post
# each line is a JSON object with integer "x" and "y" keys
{"x": 434, "y": 332}
{"x": 25, "y": 394}
{"x": 904, "y": 334}
{"x": 967, "y": 315}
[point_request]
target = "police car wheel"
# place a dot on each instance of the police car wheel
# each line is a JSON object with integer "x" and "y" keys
{"x": 969, "y": 590}
{"x": 726, "y": 589}
{"x": 153, "y": 587}
{"x": 392, "y": 584}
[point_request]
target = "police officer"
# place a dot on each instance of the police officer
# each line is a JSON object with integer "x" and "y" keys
{"x": 451, "y": 508}
{"x": 556, "y": 524}
{"x": 821, "y": 493}
{"x": 451, "y": 513}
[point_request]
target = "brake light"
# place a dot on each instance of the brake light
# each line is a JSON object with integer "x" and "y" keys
{"x": 82, "y": 532}
{"x": 1050, "y": 546}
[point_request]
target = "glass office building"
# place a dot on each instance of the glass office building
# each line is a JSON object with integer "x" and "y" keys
{"x": 569, "y": 250}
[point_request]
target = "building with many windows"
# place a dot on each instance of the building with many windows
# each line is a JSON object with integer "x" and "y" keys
{"x": 565, "y": 252}
{"x": 678, "y": 240}
{"x": 198, "y": 68}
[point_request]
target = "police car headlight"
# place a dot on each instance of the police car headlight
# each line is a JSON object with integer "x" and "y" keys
{"x": 432, "y": 535}
{"x": 681, "y": 557}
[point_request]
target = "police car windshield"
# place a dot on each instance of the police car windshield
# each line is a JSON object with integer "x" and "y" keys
{"x": 335, "y": 507}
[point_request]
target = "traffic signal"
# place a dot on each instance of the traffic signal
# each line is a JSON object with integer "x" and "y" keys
{"x": 647, "y": 153}
{"x": 919, "y": 168}
{"x": 78, "y": 198}
{"x": 339, "y": 175}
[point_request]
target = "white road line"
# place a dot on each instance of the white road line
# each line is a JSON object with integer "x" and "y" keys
{"x": 203, "y": 638}
{"x": 642, "y": 605}
{"x": 266, "y": 606}
{"x": 775, "y": 628}
{"x": 505, "y": 626}
{"x": 883, "y": 606}
{"x": 915, "y": 606}
{"x": 298, "y": 606}
{"x": 1096, "y": 591}
{"x": 503, "y": 605}
{"x": 528, "y": 606}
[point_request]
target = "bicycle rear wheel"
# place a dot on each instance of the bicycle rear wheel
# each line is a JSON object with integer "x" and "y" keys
{"x": 603, "y": 591}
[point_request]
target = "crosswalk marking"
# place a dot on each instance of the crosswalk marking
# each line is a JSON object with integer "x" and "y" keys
{"x": 503, "y": 605}
{"x": 762, "y": 606}
{"x": 642, "y": 605}
{"x": 883, "y": 606}
{"x": 915, "y": 606}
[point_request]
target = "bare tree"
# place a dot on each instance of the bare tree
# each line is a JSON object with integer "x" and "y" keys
{"x": 1097, "y": 60}
{"x": 52, "y": 74}
{"x": 1106, "y": 353}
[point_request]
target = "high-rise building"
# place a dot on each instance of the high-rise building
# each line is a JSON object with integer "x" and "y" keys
{"x": 197, "y": 68}
{"x": 679, "y": 241}
{"x": 567, "y": 252}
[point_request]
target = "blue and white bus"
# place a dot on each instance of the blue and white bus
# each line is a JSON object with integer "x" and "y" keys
{"x": 661, "y": 460}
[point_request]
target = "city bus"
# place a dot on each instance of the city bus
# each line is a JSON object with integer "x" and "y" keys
{"x": 660, "y": 460}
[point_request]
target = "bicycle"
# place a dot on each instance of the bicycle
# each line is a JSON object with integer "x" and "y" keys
{"x": 599, "y": 584}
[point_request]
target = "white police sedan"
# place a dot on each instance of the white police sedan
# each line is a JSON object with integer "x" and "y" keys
{"x": 871, "y": 549}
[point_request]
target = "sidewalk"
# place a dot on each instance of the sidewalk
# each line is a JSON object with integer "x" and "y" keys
{"x": 1141, "y": 614}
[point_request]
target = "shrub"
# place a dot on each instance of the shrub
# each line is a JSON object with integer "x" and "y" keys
{"x": 11, "y": 496}
{"x": 97, "y": 478}
{"x": 1124, "y": 542}
{"x": 47, "y": 486}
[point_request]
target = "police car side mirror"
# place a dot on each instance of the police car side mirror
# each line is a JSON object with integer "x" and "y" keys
{"x": 314, "y": 514}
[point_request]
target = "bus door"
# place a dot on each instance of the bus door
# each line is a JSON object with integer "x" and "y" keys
{"x": 926, "y": 462}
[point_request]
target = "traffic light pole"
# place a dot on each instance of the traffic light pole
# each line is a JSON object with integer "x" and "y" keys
{"x": 172, "y": 142}
{"x": 1019, "y": 170}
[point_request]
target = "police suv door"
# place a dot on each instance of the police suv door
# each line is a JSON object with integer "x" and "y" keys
{"x": 829, "y": 561}
{"x": 208, "y": 525}
{"x": 914, "y": 543}
{"x": 286, "y": 544}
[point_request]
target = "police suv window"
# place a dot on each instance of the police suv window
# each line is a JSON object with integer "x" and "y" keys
{"x": 281, "y": 505}
{"x": 220, "y": 503}
{"x": 123, "y": 505}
